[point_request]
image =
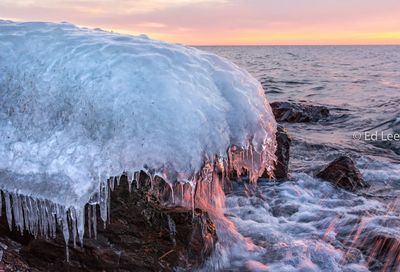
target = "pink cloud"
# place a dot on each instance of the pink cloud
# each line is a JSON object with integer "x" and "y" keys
{"x": 206, "y": 18}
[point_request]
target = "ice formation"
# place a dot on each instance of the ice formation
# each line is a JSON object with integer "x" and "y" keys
{"x": 78, "y": 106}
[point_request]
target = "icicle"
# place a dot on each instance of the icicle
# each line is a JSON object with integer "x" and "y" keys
{"x": 89, "y": 221}
{"x": 18, "y": 208}
{"x": 53, "y": 221}
{"x": 26, "y": 213}
{"x": 65, "y": 232}
{"x": 40, "y": 218}
{"x": 119, "y": 180}
{"x": 21, "y": 214}
{"x": 43, "y": 212}
{"x": 111, "y": 183}
{"x": 172, "y": 192}
{"x": 129, "y": 177}
{"x": 32, "y": 222}
{"x": 8, "y": 209}
{"x": 73, "y": 224}
{"x": 108, "y": 209}
{"x": 192, "y": 197}
{"x": 46, "y": 217}
{"x": 15, "y": 209}
{"x": 108, "y": 202}
{"x": 80, "y": 222}
{"x": 103, "y": 202}
{"x": 35, "y": 214}
{"x": 137, "y": 176}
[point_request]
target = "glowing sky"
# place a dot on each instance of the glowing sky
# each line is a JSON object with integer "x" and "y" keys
{"x": 217, "y": 22}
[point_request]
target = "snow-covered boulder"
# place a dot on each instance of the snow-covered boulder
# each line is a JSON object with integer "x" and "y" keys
{"x": 79, "y": 105}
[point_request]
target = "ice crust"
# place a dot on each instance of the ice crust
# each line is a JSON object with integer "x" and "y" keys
{"x": 79, "y": 105}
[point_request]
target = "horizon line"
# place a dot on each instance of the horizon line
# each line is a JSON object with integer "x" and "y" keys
{"x": 118, "y": 31}
{"x": 232, "y": 45}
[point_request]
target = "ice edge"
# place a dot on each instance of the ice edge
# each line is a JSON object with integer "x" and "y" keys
{"x": 43, "y": 218}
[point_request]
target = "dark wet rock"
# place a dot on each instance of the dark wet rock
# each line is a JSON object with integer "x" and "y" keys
{"x": 282, "y": 154}
{"x": 298, "y": 112}
{"x": 382, "y": 252}
{"x": 10, "y": 259}
{"x": 138, "y": 237}
{"x": 343, "y": 173}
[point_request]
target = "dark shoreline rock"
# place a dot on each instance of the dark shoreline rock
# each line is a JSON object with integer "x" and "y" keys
{"x": 298, "y": 112}
{"x": 382, "y": 252}
{"x": 282, "y": 154}
{"x": 343, "y": 173}
{"x": 138, "y": 237}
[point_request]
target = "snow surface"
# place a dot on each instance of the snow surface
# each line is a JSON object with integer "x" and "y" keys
{"x": 79, "y": 105}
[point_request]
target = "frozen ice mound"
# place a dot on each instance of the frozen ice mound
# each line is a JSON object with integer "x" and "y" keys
{"x": 79, "y": 105}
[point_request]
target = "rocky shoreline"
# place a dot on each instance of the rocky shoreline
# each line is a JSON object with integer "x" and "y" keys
{"x": 145, "y": 235}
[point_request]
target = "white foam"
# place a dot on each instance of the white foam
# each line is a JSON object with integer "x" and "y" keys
{"x": 308, "y": 224}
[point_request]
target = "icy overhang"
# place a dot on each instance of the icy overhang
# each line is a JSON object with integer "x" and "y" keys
{"x": 79, "y": 105}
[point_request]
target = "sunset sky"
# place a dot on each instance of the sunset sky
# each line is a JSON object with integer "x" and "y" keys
{"x": 226, "y": 22}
